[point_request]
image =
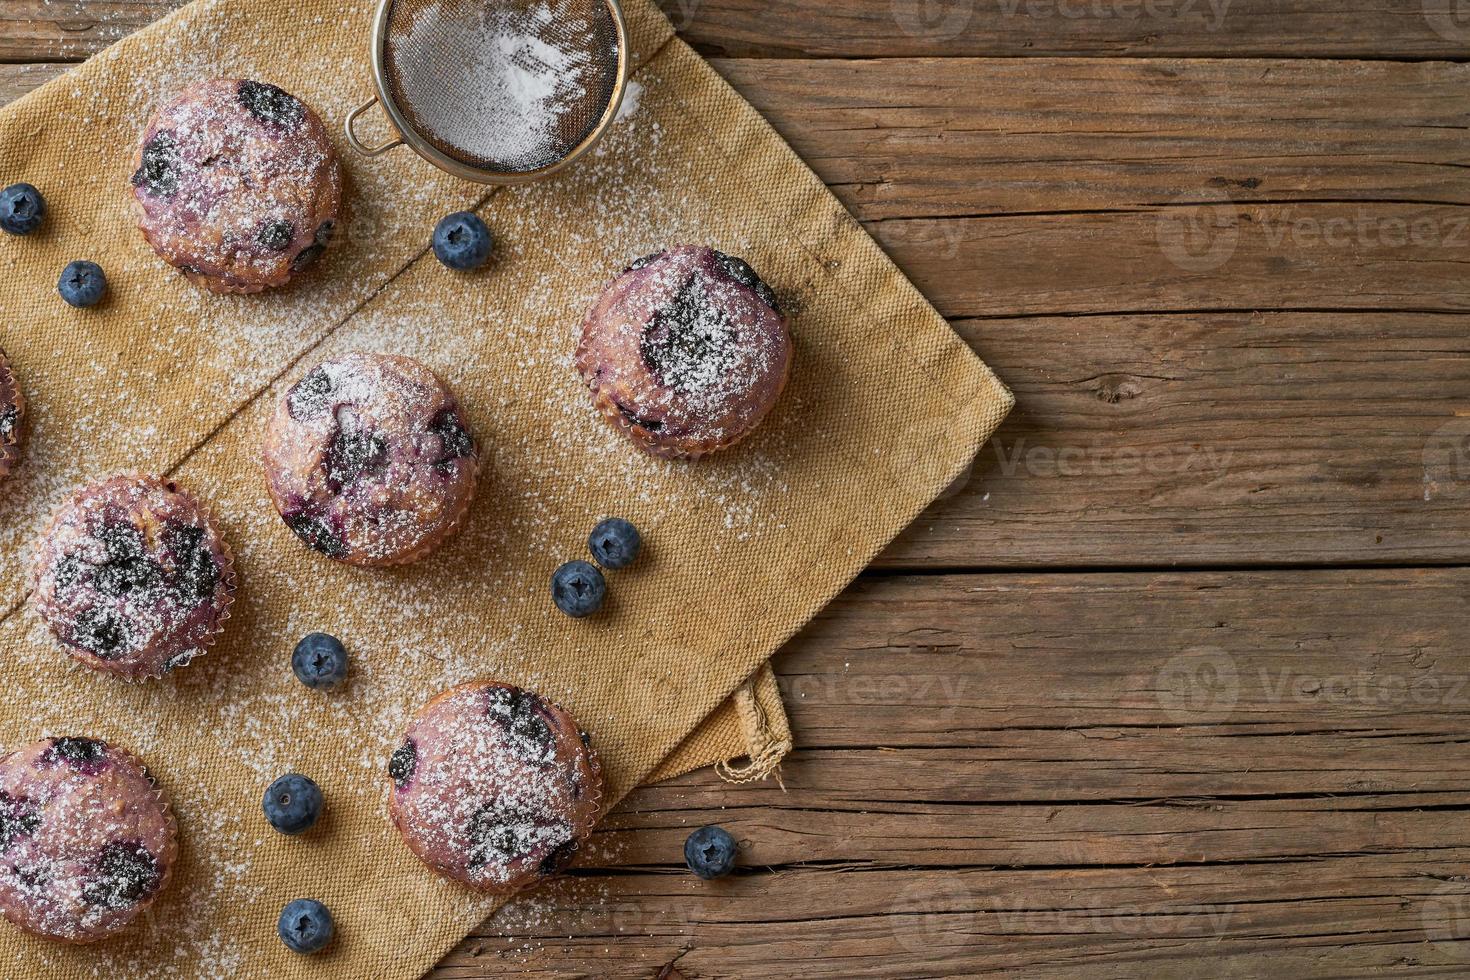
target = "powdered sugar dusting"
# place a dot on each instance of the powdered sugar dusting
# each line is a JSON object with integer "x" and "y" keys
{"x": 133, "y": 578}
{"x": 88, "y": 839}
{"x": 478, "y": 608}
{"x": 499, "y": 81}
{"x": 494, "y": 787}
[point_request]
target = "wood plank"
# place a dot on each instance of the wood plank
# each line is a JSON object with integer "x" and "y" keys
{"x": 52, "y": 30}
{"x": 1200, "y": 439}
{"x": 1099, "y": 28}
{"x": 71, "y": 30}
{"x": 1036, "y": 201}
{"x": 1081, "y": 775}
{"x": 17, "y": 80}
{"x": 1171, "y": 437}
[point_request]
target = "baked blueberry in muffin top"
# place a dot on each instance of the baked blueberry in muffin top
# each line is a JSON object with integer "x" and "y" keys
{"x": 494, "y": 786}
{"x": 133, "y": 577}
{"x": 686, "y": 352}
{"x": 87, "y": 839}
{"x": 369, "y": 461}
{"x": 237, "y": 185}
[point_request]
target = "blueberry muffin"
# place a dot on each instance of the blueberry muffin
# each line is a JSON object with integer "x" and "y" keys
{"x": 12, "y": 418}
{"x": 133, "y": 577}
{"x": 87, "y": 839}
{"x": 368, "y": 460}
{"x": 494, "y": 787}
{"x": 237, "y": 185}
{"x": 685, "y": 352}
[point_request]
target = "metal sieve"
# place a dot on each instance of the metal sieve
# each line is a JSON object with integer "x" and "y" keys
{"x": 496, "y": 91}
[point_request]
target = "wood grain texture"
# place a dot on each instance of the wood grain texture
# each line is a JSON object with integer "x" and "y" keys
{"x": 1226, "y": 281}
{"x": 1081, "y": 775}
{"x": 52, "y": 30}
{"x": 1095, "y": 28}
{"x": 1239, "y": 383}
{"x": 1227, "y": 293}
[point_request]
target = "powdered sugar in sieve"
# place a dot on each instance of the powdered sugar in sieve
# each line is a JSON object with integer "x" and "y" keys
{"x": 502, "y": 85}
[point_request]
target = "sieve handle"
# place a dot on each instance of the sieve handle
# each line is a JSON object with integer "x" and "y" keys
{"x": 367, "y": 151}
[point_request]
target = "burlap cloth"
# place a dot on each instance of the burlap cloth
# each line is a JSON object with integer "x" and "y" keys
{"x": 885, "y": 407}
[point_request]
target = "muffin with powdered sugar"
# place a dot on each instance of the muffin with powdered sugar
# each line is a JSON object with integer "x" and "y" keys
{"x": 237, "y": 185}
{"x": 368, "y": 459}
{"x": 133, "y": 577}
{"x": 494, "y": 786}
{"x": 686, "y": 352}
{"x": 87, "y": 839}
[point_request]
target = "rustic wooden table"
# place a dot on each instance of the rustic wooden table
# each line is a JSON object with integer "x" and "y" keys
{"x": 1177, "y": 683}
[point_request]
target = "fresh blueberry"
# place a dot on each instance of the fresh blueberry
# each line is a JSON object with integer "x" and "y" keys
{"x": 710, "y": 852}
{"x": 614, "y": 543}
{"x": 292, "y": 803}
{"x": 22, "y": 209}
{"x": 462, "y": 242}
{"x": 305, "y": 926}
{"x": 320, "y": 660}
{"x": 82, "y": 284}
{"x": 578, "y": 588}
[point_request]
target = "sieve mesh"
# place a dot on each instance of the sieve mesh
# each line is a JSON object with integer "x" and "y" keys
{"x": 502, "y": 86}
